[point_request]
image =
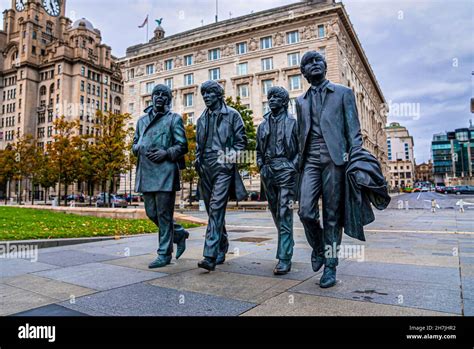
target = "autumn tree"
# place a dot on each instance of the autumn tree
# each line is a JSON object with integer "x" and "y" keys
{"x": 110, "y": 140}
{"x": 46, "y": 175}
{"x": 25, "y": 163}
{"x": 130, "y": 159}
{"x": 7, "y": 169}
{"x": 65, "y": 153}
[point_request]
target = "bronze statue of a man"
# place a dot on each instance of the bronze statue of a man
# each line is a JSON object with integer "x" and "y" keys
{"x": 277, "y": 159}
{"x": 160, "y": 145}
{"x": 220, "y": 135}
{"x": 330, "y": 153}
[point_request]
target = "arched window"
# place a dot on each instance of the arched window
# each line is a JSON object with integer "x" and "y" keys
{"x": 117, "y": 101}
{"x": 42, "y": 90}
{"x": 51, "y": 89}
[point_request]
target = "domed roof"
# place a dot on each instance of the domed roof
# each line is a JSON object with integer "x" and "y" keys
{"x": 82, "y": 23}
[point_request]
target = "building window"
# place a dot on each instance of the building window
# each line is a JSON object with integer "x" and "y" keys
{"x": 295, "y": 82}
{"x": 321, "y": 32}
{"x": 215, "y": 74}
{"x": 267, "y": 64}
{"x": 83, "y": 71}
{"x": 265, "y": 107}
{"x": 169, "y": 82}
{"x": 293, "y": 37}
{"x": 188, "y": 100}
{"x": 188, "y": 60}
{"x": 243, "y": 90}
{"x": 131, "y": 108}
{"x": 266, "y": 43}
{"x": 150, "y": 69}
{"x": 242, "y": 68}
{"x": 214, "y": 54}
{"x": 188, "y": 79}
{"x": 169, "y": 64}
{"x": 266, "y": 85}
{"x": 322, "y": 51}
{"x": 294, "y": 59}
{"x": 149, "y": 87}
{"x": 241, "y": 48}
{"x": 131, "y": 73}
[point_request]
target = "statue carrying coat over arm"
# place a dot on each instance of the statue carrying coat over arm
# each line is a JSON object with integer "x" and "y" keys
{"x": 333, "y": 166}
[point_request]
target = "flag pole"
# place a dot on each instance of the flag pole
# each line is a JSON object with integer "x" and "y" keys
{"x": 147, "y": 29}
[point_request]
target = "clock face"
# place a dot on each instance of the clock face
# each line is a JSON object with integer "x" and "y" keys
{"x": 20, "y": 5}
{"x": 52, "y": 7}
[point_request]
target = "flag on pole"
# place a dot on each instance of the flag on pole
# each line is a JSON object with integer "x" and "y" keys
{"x": 145, "y": 22}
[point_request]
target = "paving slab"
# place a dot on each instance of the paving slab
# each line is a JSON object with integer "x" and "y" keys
{"x": 16, "y": 266}
{"x": 141, "y": 262}
{"x": 47, "y": 287}
{"x": 50, "y": 311}
{"x": 411, "y": 294}
{"x": 295, "y": 304}
{"x": 99, "y": 276}
{"x": 248, "y": 288}
{"x": 67, "y": 258}
{"x": 14, "y": 300}
{"x": 300, "y": 255}
{"x": 469, "y": 306}
{"x": 262, "y": 267}
{"x": 147, "y": 300}
{"x": 449, "y": 277}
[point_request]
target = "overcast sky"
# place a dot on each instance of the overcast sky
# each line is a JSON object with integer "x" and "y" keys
{"x": 420, "y": 50}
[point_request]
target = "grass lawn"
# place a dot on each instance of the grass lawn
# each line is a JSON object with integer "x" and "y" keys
{"x": 29, "y": 224}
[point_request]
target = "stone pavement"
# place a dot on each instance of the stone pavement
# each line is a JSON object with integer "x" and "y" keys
{"x": 415, "y": 263}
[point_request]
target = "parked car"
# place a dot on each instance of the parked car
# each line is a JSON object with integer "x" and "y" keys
{"x": 134, "y": 198}
{"x": 425, "y": 189}
{"x": 416, "y": 190}
{"x": 450, "y": 190}
{"x": 440, "y": 189}
{"x": 75, "y": 197}
{"x": 115, "y": 200}
{"x": 464, "y": 189}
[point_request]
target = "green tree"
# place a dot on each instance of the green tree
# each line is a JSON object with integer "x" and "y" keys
{"x": 251, "y": 131}
{"x": 189, "y": 174}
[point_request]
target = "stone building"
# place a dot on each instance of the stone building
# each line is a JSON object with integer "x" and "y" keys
{"x": 424, "y": 172}
{"x": 401, "y": 157}
{"x": 251, "y": 53}
{"x": 51, "y": 66}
